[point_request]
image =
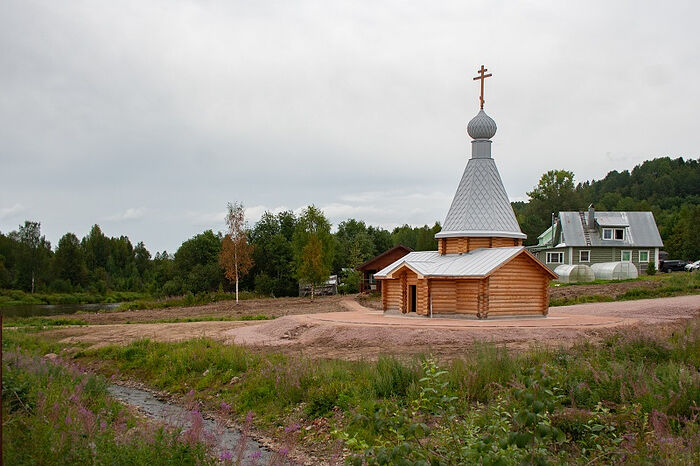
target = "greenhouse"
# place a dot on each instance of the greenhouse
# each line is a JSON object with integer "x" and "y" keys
{"x": 578, "y": 273}
{"x": 614, "y": 271}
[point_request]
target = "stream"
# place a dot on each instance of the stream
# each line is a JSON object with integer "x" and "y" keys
{"x": 225, "y": 439}
{"x": 31, "y": 310}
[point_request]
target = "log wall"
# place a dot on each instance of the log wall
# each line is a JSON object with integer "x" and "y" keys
{"x": 519, "y": 287}
{"x": 454, "y": 296}
{"x": 391, "y": 294}
{"x": 466, "y": 244}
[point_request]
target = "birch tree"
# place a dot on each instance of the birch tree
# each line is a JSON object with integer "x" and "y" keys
{"x": 236, "y": 256}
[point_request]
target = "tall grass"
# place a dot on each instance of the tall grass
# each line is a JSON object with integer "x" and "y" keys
{"x": 56, "y": 414}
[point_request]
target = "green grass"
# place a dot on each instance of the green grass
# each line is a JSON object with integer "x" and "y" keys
{"x": 54, "y": 412}
{"x": 176, "y": 320}
{"x": 675, "y": 284}
{"x": 41, "y": 322}
{"x": 617, "y": 384}
{"x": 18, "y": 297}
{"x": 185, "y": 301}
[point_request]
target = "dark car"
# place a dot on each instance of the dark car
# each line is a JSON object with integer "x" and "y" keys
{"x": 672, "y": 265}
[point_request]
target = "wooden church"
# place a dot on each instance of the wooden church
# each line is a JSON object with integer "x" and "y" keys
{"x": 481, "y": 268}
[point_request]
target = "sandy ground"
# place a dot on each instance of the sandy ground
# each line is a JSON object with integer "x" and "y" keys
{"x": 362, "y": 333}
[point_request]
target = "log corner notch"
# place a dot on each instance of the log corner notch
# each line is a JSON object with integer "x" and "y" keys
{"x": 483, "y": 300}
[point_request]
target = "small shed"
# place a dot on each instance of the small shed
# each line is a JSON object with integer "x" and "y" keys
{"x": 376, "y": 264}
{"x": 614, "y": 271}
{"x": 578, "y": 273}
{"x": 329, "y": 288}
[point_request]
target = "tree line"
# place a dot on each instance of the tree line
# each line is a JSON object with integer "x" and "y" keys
{"x": 280, "y": 250}
{"x": 284, "y": 248}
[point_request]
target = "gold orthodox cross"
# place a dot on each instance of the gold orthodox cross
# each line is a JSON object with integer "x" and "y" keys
{"x": 481, "y": 78}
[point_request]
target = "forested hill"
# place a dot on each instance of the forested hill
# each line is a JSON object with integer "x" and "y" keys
{"x": 670, "y": 188}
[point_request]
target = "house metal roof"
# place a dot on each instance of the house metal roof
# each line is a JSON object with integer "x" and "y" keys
{"x": 378, "y": 258}
{"x": 640, "y": 229}
{"x": 476, "y": 263}
{"x": 481, "y": 206}
{"x": 611, "y": 219}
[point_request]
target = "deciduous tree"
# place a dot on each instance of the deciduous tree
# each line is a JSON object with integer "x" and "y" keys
{"x": 236, "y": 256}
{"x": 313, "y": 248}
{"x": 69, "y": 263}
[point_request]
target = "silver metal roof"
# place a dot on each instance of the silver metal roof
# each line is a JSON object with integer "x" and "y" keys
{"x": 476, "y": 263}
{"x": 611, "y": 219}
{"x": 640, "y": 229}
{"x": 481, "y": 206}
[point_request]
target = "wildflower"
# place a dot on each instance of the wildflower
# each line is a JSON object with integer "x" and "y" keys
{"x": 284, "y": 452}
{"x": 226, "y": 456}
{"x": 225, "y": 406}
{"x": 292, "y": 428}
{"x": 68, "y": 420}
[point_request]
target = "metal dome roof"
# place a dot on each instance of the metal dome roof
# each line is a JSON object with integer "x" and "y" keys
{"x": 481, "y": 126}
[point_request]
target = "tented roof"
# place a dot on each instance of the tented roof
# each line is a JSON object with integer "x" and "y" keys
{"x": 476, "y": 263}
{"x": 480, "y": 206}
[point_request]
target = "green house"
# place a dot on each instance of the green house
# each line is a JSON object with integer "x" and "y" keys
{"x": 595, "y": 237}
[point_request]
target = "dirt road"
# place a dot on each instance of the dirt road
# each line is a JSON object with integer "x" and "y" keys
{"x": 365, "y": 333}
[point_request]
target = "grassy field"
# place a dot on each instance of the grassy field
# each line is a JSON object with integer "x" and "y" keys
{"x": 633, "y": 399}
{"x": 47, "y": 322}
{"x": 657, "y": 286}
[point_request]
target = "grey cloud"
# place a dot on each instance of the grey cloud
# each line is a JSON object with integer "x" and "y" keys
{"x": 183, "y": 106}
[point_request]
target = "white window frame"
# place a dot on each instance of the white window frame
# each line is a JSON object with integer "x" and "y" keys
{"x": 608, "y": 230}
{"x": 587, "y": 251}
{"x": 622, "y": 255}
{"x": 623, "y": 234}
{"x": 640, "y": 257}
{"x": 552, "y": 254}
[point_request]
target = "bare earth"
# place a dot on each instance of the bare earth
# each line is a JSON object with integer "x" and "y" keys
{"x": 363, "y": 333}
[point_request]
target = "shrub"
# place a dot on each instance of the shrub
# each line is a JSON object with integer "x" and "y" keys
{"x": 651, "y": 268}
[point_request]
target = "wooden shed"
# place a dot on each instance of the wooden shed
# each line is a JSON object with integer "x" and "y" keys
{"x": 481, "y": 268}
{"x": 376, "y": 264}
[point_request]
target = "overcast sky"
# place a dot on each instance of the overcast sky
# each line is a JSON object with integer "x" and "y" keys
{"x": 147, "y": 117}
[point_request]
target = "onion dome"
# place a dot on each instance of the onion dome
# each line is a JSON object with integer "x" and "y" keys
{"x": 481, "y": 126}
